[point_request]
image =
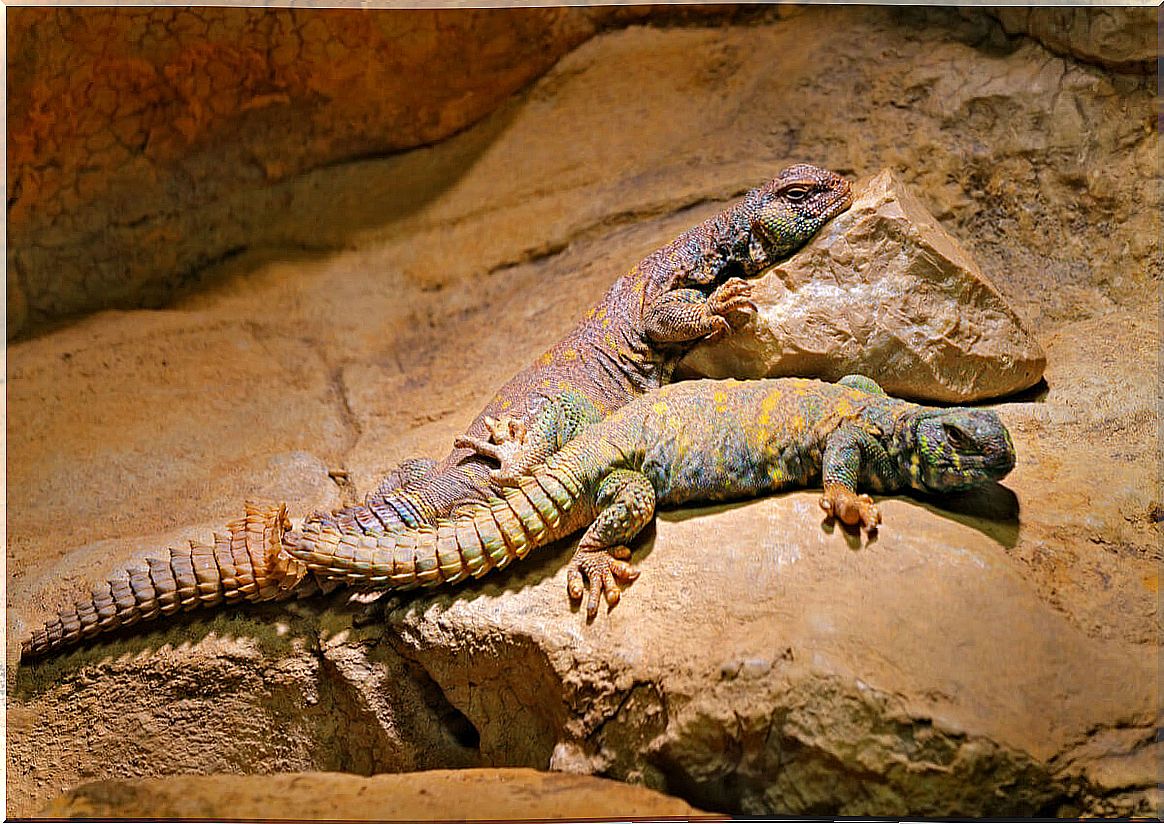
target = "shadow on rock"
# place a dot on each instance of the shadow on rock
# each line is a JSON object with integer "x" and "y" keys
{"x": 274, "y": 628}
{"x": 993, "y": 510}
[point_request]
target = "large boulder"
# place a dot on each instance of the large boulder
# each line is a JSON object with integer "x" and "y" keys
{"x": 129, "y": 126}
{"x": 762, "y": 664}
{"x": 883, "y": 291}
{"x": 133, "y": 131}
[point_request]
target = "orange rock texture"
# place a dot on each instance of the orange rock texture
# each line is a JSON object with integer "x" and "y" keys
{"x": 1121, "y": 38}
{"x": 124, "y": 124}
{"x": 433, "y": 795}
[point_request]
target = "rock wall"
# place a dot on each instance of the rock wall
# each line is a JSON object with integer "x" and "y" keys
{"x": 1124, "y": 39}
{"x": 128, "y": 126}
{"x": 995, "y": 654}
{"x": 131, "y": 129}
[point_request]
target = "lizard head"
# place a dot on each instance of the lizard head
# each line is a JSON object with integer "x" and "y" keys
{"x": 794, "y": 206}
{"x": 957, "y": 449}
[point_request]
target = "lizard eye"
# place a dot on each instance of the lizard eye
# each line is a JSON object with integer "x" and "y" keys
{"x": 956, "y": 436}
{"x": 796, "y": 193}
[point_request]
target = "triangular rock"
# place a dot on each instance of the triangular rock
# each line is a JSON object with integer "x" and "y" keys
{"x": 883, "y": 291}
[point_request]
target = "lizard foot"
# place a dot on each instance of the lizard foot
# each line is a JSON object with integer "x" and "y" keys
{"x": 606, "y": 571}
{"x": 481, "y": 447}
{"x": 506, "y": 437}
{"x": 733, "y": 295}
{"x": 852, "y": 509}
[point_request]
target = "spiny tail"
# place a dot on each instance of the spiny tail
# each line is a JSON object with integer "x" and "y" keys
{"x": 245, "y": 564}
{"x": 541, "y": 509}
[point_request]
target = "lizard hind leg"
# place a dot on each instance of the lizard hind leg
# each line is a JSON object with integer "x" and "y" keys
{"x": 626, "y": 502}
{"x": 515, "y": 447}
{"x": 390, "y": 505}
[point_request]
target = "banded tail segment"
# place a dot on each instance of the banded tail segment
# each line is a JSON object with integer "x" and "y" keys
{"x": 483, "y": 537}
{"x": 245, "y": 564}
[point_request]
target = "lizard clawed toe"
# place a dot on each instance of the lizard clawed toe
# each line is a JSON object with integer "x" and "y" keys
{"x": 476, "y": 444}
{"x": 733, "y": 295}
{"x": 722, "y": 328}
{"x": 850, "y": 508}
{"x": 507, "y": 438}
{"x": 606, "y": 574}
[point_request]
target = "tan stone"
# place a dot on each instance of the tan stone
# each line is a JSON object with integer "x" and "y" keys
{"x": 439, "y": 795}
{"x": 883, "y": 291}
{"x": 764, "y": 664}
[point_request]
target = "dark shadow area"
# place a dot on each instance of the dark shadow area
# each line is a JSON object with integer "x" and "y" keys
{"x": 1034, "y": 394}
{"x": 852, "y": 533}
{"x": 37, "y": 675}
{"x": 335, "y": 202}
{"x": 993, "y": 510}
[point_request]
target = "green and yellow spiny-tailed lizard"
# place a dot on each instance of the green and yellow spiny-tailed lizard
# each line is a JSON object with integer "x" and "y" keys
{"x": 690, "y": 441}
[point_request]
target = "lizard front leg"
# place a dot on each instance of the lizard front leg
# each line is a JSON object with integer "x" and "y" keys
{"x": 626, "y": 502}
{"x": 686, "y": 314}
{"x": 842, "y": 465}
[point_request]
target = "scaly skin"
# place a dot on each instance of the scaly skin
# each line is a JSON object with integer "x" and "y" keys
{"x": 692, "y": 441}
{"x": 628, "y": 344}
{"x": 247, "y": 563}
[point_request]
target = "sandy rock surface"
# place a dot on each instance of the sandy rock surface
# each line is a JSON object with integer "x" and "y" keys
{"x": 885, "y": 291}
{"x": 438, "y": 795}
{"x": 989, "y": 654}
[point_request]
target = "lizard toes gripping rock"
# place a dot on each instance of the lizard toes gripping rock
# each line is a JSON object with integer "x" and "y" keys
{"x": 511, "y": 445}
{"x": 734, "y": 295}
{"x": 506, "y": 435}
{"x": 852, "y": 509}
{"x": 606, "y": 572}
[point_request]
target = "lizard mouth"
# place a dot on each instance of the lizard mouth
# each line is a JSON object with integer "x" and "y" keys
{"x": 970, "y": 471}
{"x": 843, "y": 197}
